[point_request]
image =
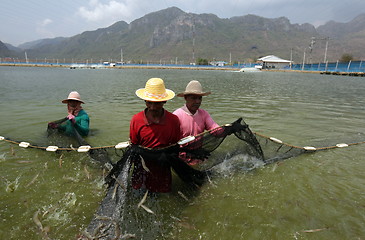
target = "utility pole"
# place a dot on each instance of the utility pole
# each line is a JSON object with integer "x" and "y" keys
{"x": 313, "y": 41}
{"x": 311, "y": 45}
{"x": 325, "y": 52}
{"x": 121, "y": 55}
{"x": 193, "y": 41}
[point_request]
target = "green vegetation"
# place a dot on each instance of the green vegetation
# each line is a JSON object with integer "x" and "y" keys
{"x": 173, "y": 36}
{"x": 346, "y": 57}
{"x": 201, "y": 61}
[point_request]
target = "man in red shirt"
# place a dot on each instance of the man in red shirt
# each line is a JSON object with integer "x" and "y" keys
{"x": 154, "y": 127}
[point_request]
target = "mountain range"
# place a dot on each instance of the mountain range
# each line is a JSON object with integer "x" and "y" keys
{"x": 174, "y": 36}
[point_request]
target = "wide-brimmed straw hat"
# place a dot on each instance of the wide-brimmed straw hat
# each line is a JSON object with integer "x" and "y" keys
{"x": 194, "y": 87}
{"x": 155, "y": 91}
{"x": 73, "y": 96}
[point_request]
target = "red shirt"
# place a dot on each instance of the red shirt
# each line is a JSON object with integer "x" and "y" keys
{"x": 153, "y": 135}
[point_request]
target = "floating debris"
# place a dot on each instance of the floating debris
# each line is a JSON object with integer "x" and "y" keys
{"x": 70, "y": 199}
{"x": 114, "y": 191}
{"x": 119, "y": 183}
{"x": 88, "y": 175}
{"x": 24, "y": 161}
{"x": 105, "y": 218}
{"x": 33, "y": 180}
{"x": 117, "y": 230}
{"x": 98, "y": 229}
{"x": 147, "y": 209}
{"x": 2, "y": 157}
{"x": 128, "y": 236}
{"x": 72, "y": 179}
{"x": 11, "y": 186}
{"x": 143, "y": 200}
{"x": 37, "y": 221}
{"x": 274, "y": 167}
{"x": 60, "y": 161}
{"x": 183, "y": 223}
{"x": 144, "y": 164}
{"x": 183, "y": 196}
{"x": 44, "y": 230}
{"x": 12, "y": 151}
{"x": 176, "y": 218}
{"x": 314, "y": 230}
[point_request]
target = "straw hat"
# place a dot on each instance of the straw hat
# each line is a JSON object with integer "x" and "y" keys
{"x": 155, "y": 91}
{"x": 73, "y": 96}
{"x": 193, "y": 87}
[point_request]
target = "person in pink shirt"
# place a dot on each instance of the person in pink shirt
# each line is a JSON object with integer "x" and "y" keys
{"x": 193, "y": 119}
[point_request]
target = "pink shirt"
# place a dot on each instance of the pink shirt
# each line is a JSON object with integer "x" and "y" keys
{"x": 193, "y": 124}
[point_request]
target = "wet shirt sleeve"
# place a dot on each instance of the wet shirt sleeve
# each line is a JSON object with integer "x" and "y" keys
{"x": 82, "y": 123}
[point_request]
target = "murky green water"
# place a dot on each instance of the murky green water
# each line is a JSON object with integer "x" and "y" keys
{"x": 313, "y": 196}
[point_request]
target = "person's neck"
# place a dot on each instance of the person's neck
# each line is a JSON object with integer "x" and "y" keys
{"x": 154, "y": 116}
{"x": 191, "y": 110}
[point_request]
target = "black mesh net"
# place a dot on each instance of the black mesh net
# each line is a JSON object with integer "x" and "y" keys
{"x": 74, "y": 140}
{"x": 275, "y": 150}
{"x": 233, "y": 144}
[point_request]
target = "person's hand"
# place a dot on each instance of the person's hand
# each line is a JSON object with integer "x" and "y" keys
{"x": 52, "y": 125}
{"x": 71, "y": 117}
{"x": 236, "y": 126}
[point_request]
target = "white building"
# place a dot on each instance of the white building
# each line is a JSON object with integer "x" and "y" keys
{"x": 218, "y": 63}
{"x": 272, "y": 61}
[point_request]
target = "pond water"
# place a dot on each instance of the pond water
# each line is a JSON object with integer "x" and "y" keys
{"x": 313, "y": 196}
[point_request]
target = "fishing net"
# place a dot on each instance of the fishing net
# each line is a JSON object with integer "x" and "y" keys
{"x": 56, "y": 137}
{"x": 194, "y": 160}
{"x": 75, "y": 140}
{"x": 205, "y": 150}
{"x": 233, "y": 144}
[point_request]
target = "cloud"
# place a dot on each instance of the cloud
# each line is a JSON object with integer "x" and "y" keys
{"x": 42, "y": 30}
{"x": 110, "y": 11}
{"x": 45, "y": 22}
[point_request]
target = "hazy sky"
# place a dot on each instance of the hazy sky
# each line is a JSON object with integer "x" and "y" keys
{"x": 28, "y": 20}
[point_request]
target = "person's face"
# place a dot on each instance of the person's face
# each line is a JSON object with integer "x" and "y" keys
{"x": 72, "y": 103}
{"x": 193, "y": 102}
{"x": 154, "y": 106}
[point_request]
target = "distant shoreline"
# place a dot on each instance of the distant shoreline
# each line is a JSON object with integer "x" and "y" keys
{"x": 196, "y": 67}
{"x": 351, "y": 74}
{"x": 121, "y": 66}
